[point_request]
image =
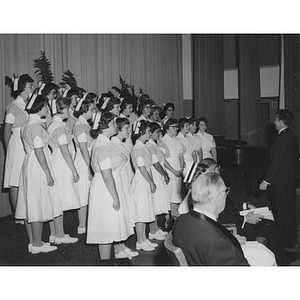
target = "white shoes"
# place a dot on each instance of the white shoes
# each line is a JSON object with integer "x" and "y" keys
{"x": 156, "y": 236}
{"x": 81, "y": 230}
{"x": 144, "y": 246}
{"x": 122, "y": 254}
{"x": 126, "y": 253}
{"x": 19, "y": 222}
{"x": 153, "y": 245}
{"x": 131, "y": 253}
{"x": 163, "y": 233}
{"x": 63, "y": 240}
{"x": 46, "y": 247}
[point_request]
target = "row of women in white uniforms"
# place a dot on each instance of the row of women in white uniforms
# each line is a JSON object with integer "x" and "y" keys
{"x": 137, "y": 203}
{"x": 64, "y": 194}
{"x": 76, "y": 195}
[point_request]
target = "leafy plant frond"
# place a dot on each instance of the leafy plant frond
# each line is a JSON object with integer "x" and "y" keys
{"x": 44, "y": 73}
{"x": 69, "y": 78}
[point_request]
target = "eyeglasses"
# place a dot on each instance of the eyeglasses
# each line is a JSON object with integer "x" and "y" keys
{"x": 227, "y": 190}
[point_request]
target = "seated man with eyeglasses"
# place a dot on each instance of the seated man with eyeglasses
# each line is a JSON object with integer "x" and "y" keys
{"x": 255, "y": 253}
{"x": 204, "y": 241}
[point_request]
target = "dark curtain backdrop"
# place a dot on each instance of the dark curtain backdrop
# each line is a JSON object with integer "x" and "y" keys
{"x": 208, "y": 81}
{"x": 152, "y": 62}
{"x": 291, "y": 78}
{"x": 249, "y": 89}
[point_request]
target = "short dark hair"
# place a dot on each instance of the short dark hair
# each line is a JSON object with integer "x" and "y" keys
{"x": 38, "y": 104}
{"x": 49, "y": 87}
{"x": 192, "y": 120}
{"x": 154, "y": 126}
{"x": 202, "y": 119}
{"x": 143, "y": 125}
{"x": 285, "y": 116}
{"x": 155, "y": 108}
{"x": 126, "y": 101}
{"x": 62, "y": 103}
{"x": 142, "y": 105}
{"x": 181, "y": 122}
{"x": 121, "y": 122}
{"x": 106, "y": 118}
{"x": 85, "y": 105}
{"x": 169, "y": 123}
{"x": 23, "y": 80}
{"x": 91, "y": 96}
{"x": 110, "y": 104}
{"x": 167, "y": 105}
{"x": 72, "y": 92}
{"x": 208, "y": 161}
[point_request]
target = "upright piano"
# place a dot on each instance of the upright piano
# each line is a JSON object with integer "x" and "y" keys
{"x": 239, "y": 156}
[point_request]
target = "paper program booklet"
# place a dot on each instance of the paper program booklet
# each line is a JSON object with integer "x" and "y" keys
{"x": 259, "y": 211}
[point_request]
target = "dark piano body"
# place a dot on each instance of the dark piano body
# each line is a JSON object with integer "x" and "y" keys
{"x": 239, "y": 156}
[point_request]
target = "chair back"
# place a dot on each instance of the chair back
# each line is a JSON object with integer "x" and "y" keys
{"x": 175, "y": 253}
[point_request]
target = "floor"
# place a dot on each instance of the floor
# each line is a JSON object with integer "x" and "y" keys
{"x": 13, "y": 238}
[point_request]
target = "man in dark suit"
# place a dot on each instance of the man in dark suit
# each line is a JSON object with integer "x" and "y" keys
{"x": 281, "y": 178}
{"x": 203, "y": 240}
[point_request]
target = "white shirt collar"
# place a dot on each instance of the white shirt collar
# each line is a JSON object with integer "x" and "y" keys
{"x": 103, "y": 138}
{"x": 58, "y": 119}
{"x": 34, "y": 117}
{"x": 140, "y": 143}
{"x": 84, "y": 120}
{"x": 168, "y": 137}
{"x": 282, "y": 129}
{"x": 181, "y": 135}
{"x": 209, "y": 215}
{"x": 21, "y": 101}
{"x": 122, "y": 116}
{"x": 115, "y": 140}
{"x": 151, "y": 142}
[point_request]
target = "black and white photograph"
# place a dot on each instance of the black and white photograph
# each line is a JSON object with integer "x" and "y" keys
{"x": 141, "y": 143}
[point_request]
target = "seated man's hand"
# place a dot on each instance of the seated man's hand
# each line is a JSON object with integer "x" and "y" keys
{"x": 252, "y": 218}
{"x": 251, "y": 206}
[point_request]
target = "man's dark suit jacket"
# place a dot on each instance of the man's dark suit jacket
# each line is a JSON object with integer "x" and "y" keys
{"x": 283, "y": 176}
{"x": 283, "y": 171}
{"x": 206, "y": 243}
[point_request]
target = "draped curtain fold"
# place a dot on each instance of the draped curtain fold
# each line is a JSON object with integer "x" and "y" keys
{"x": 249, "y": 89}
{"x": 291, "y": 78}
{"x": 208, "y": 81}
{"x": 151, "y": 62}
